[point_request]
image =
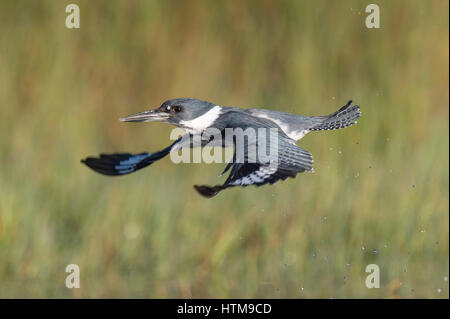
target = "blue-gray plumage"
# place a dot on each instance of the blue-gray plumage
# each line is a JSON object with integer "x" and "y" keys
{"x": 196, "y": 116}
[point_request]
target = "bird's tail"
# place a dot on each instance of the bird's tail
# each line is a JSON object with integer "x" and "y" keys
{"x": 344, "y": 117}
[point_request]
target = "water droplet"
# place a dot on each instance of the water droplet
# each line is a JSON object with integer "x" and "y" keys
{"x": 374, "y": 251}
{"x": 302, "y": 289}
{"x": 446, "y": 278}
{"x": 348, "y": 265}
{"x": 331, "y": 148}
{"x": 340, "y": 152}
{"x": 439, "y": 290}
{"x": 422, "y": 231}
{"x": 363, "y": 248}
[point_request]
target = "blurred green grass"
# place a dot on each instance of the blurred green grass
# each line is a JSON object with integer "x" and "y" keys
{"x": 381, "y": 185}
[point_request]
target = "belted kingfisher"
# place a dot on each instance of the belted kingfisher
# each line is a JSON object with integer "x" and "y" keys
{"x": 196, "y": 116}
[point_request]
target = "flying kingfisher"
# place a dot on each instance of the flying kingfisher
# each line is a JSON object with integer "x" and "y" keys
{"x": 196, "y": 117}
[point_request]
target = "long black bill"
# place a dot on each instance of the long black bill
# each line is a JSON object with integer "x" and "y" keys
{"x": 147, "y": 116}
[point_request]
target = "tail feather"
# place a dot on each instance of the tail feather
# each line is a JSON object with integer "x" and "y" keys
{"x": 344, "y": 117}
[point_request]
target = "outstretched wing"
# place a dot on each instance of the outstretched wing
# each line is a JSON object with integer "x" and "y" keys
{"x": 125, "y": 163}
{"x": 291, "y": 160}
{"x": 288, "y": 161}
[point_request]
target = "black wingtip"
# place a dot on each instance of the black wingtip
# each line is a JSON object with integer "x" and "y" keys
{"x": 207, "y": 191}
{"x": 100, "y": 167}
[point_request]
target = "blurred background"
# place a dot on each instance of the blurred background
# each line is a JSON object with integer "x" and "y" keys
{"x": 379, "y": 194}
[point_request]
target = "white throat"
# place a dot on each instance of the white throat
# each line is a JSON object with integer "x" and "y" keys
{"x": 202, "y": 122}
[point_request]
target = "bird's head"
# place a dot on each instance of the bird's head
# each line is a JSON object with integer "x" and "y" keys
{"x": 178, "y": 112}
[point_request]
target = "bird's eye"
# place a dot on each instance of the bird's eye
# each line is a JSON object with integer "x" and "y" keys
{"x": 177, "y": 108}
